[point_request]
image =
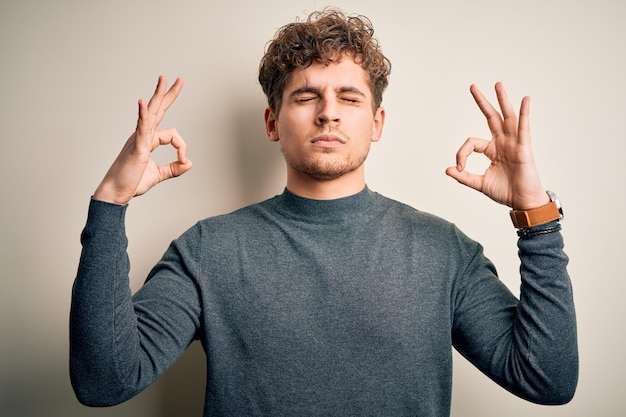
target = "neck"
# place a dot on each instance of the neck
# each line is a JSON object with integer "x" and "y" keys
{"x": 306, "y": 186}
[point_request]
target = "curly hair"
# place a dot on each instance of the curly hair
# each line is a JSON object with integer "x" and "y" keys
{"x": 324, "y": 37}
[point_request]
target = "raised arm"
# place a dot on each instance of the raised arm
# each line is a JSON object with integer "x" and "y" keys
{"x": 119, "y": 345}
{"x": 529, "y": 346}
{"x": 134, "y": 171}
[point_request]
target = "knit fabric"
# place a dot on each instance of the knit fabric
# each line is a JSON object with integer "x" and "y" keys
{"x": 321, "y": 308}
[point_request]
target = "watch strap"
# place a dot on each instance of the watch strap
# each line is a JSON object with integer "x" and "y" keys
{"x": 535, "y": 216}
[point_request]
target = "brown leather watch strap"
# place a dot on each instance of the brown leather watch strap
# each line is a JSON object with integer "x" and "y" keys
{"x": 533, "y": 217}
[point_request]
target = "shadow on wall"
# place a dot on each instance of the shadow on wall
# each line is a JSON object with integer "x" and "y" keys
{"x": 261, "y": 164}
{"x": 259, "y": 167}
{"x": 181, "y": 388}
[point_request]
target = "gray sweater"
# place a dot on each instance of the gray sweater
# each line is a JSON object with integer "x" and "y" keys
{"x": 320, "y": 308}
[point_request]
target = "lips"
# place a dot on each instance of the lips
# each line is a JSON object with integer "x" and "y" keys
{"x": 328, "y": 141}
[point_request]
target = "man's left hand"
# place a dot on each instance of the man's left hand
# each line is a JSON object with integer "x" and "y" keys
{"x": 511, "y": 178}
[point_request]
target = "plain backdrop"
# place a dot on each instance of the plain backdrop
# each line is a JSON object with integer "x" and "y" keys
{"x": 72, "y": 72}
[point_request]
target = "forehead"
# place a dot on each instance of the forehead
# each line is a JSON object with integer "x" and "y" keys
{"x": 337, "y": 75}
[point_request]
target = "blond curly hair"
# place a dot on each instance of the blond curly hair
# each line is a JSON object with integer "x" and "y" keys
{"x": 324, "y": 37}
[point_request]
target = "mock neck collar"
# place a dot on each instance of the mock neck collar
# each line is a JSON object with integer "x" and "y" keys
{"x": 326, "y": 211}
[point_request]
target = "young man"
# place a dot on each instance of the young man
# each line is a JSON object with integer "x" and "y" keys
{"x": 328, "y": 299}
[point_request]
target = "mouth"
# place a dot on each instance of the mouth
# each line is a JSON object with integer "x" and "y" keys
{"x": 328, "y": 141}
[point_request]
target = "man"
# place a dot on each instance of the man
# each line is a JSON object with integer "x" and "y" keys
{"x": 328, "y": 299}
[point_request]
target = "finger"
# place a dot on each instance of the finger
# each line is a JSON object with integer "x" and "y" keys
{"x": 508, "y": 113}
{"x": 172, "y": 137}
{"x": 162, "y": 100}
{"x": 466, "y": 178}
{"x": 494, "y": 120}
{"x": 144, "y": 125}
{"x": 142, "y": 119}
{"x": 182, "y": 164}
{"x": 178, "y": 168}
{"x": 470, "y": 146}
{"x": 172, "y": 93}
{"x": 174, "y": 169}
{"x": 524, "y": 120}
{"x": 169, "y": 98}
{"x": 155, "y": 101}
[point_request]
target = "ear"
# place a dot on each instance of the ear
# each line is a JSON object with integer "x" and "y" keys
{"x": 271, "y": 125}
{"x": 377, "y": 126}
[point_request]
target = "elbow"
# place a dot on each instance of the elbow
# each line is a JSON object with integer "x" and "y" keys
{"x": 553, "y": 383}
{"x": 97, "y": 397}
{"x": 558, "y": 390}
{"x": 564, "y": 382}
{"x": 91, "y": 395}
{"x": 554, "y": 394}
{"x": 565, "y": 391}
{"x": 92, "y": 390}
{"x": 560, "y": 396}
{"x": 89, "y": 398}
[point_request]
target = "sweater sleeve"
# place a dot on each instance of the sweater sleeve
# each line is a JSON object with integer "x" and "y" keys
{"x": 120, "y": 343}
{"x": 528, "y": 346}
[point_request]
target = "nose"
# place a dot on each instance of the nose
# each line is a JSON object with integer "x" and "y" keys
{"x": 328, "y": 112}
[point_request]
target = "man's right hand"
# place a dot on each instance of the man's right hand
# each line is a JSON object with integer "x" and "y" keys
{"x": 134, "y": 172}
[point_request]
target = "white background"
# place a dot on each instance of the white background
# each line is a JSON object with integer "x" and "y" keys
{"x": 72, "y": 72}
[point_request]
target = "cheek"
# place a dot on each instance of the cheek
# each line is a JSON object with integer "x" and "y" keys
{"x": 290, "y": 126}
{"x": 364, "y": 129}
{"x": 283, "y": 132}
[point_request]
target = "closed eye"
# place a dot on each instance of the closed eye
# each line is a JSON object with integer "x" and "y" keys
{"x": 351, "y": 95}
{"x": 304, "y": 99}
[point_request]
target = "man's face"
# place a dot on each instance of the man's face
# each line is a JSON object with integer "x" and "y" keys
{"x": 326, "y": 121}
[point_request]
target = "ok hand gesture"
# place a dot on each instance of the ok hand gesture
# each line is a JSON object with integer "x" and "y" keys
{"x": 134, "y": 171}
{"x": 511, "y": 178}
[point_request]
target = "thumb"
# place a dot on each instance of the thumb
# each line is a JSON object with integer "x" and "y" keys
{"x": 174, "y": 169}
{"x": 466, "y": 178}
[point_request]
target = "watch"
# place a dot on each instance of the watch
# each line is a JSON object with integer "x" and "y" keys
{"x": 539, "y": 215}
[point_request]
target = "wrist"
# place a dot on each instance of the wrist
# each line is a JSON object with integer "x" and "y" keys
{"x": 542, "y": 214}
{"x": 101, "y": 194}
{"x": 531, "y": 201}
